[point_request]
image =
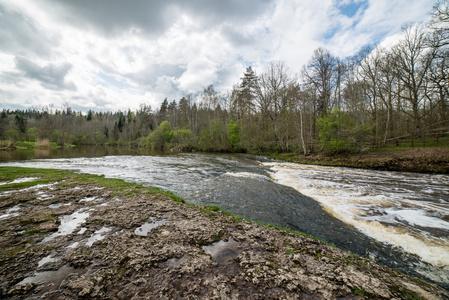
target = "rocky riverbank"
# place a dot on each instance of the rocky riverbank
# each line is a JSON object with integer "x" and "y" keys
{"x": 73, "y": 236}
{"x": 426, "y": 160}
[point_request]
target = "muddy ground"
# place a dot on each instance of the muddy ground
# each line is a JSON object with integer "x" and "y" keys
{"x": 427, "y": 160}
{"x": 74, "y": 240}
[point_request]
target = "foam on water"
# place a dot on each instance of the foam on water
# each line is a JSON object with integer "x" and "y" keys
{"x": 391, "y": 207}
{"x": 247, "y": 175}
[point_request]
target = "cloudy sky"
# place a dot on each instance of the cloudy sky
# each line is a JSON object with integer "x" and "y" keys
{"x": 108, "y": 55}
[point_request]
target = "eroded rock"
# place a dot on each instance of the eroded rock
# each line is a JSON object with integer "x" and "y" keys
{"x": 186, "y": 252}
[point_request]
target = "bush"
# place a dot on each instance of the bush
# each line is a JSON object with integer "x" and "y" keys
{"x": 234, "y": 135}
{"x": 183, "y": 138}
{"x": 336, "y": 131}
{"x": 161, "y": 136}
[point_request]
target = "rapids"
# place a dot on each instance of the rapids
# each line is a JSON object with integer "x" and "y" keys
{"x": 398, "y": 219}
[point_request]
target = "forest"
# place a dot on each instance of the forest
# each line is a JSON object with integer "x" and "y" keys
{"x": 380, "y": 96}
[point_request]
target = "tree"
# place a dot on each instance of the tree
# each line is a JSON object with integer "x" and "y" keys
{"x": 234, "y": 135}
{"x": 162, "y": 136}
{"x": 163, "y": 110}
{"x": 275, "y": 89}
{"x": 21, "y": 123}
{"x": 439, "y": 22}
{"x": 335, "y": 131}
{"x": 3, "y": 124}
{"x": 246, "y": 93}
{"x": 320, "y": 73}
{"x": 412, "y": 66}
{"x": 90, "y": 114}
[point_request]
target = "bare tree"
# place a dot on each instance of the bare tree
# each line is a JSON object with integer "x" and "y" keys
{"x": 412, "y": 63}
{"x": 320, "y": 73}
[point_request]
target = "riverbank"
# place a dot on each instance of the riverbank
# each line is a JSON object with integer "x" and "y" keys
{"x": 77, "y": 236}
{"x": 425, "y": 160}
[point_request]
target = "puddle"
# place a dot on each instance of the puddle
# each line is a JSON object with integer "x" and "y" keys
{"x": 222, "y": 251}
{"x": 58, "y": 205}
{"x": 10, "y": 212}
{"x": 43, "y": 196}
{"x": 68, "y": 224}
{"x": 20, "y": 180}
{"x": 89, "y": 199}
{"x": 74, "y": 245}
{"x": 97, "y": 236}
{"x": 46, "y": 260}
{"x": 173, "y": 262}
{"x": 146, "y": 228}
{"x": 52, "y": 279}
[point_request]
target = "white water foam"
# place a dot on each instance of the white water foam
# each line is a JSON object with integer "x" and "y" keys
{"x": 247, "y": 175}
{"x": 393, "y": 214}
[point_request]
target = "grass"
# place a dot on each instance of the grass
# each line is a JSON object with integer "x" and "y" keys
{"x": 120, "y": 187}
{"x": 40, "y": 144}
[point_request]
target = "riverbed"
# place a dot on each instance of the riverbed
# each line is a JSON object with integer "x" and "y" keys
{"x": 398, "y": 219}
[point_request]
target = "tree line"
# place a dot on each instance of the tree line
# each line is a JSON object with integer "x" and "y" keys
{"x": 374, "y": 97}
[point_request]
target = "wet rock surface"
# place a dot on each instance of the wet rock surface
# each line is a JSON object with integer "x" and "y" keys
{"x": 73, "y": 240}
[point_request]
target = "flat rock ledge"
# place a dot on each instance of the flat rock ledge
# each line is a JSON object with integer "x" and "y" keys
{"x": 72, "y": 240}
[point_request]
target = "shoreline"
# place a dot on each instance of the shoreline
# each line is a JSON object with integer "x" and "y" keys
{"x": 188, "y": 250}
{"x": 421, "y": 160}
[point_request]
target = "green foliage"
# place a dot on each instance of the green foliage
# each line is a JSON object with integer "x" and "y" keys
{"x": 335, "y": 131}
{"x": 183, "y": 138}
{"x": 234, "y": 134}
{"x": 21, "y": 123}
{"x": 162, "y": 136}
{"x": 214, "y": 137}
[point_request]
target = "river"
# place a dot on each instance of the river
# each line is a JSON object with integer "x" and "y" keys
{"x": 398, "y": 219}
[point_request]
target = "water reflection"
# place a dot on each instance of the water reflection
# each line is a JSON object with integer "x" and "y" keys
{"x": 72, "y": 152}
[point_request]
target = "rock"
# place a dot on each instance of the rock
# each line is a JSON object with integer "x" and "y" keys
{"x": 193, "y": 253}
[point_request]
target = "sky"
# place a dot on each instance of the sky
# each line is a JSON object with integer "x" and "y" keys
{"x": 109, "y": 55}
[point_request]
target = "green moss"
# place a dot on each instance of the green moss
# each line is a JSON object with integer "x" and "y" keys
{"x": 35, "y": 231}
{"x": 358, "y": 292}
{"x": 10, "y": 252}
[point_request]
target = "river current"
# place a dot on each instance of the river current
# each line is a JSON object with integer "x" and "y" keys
{"x": 398, "y": 219}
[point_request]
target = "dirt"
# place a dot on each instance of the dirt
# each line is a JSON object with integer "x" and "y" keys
{"x": 139, "y": 244}
{"x": 428, "y": 160}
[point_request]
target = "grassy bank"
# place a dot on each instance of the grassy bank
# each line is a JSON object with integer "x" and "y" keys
{"x": 191, "y": 251}
{"x": 426, "y": 160}
{"x": 119, "y": 186}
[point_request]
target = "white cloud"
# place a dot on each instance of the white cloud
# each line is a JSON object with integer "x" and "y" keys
{"x": 199, "y": 73}
{"x": 109, "y": 55}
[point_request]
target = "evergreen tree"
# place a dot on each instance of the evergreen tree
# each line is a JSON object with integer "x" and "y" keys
{"x": 21, "y": 123}
{"x": 247, "y": 93}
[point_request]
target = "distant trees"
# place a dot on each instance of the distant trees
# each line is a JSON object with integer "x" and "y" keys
{"x": 336, "y": 104}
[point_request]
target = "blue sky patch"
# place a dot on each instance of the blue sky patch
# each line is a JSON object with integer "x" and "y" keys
{"x": 351, "y": 9}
